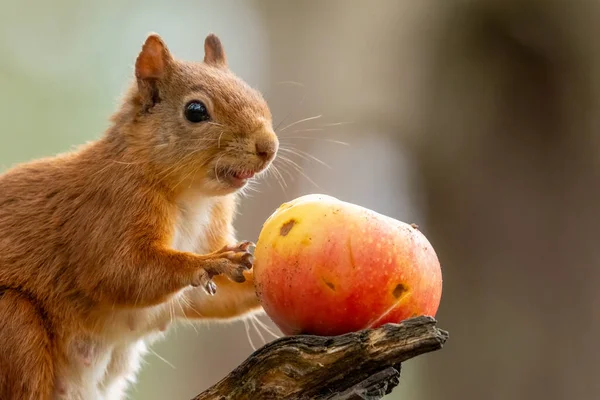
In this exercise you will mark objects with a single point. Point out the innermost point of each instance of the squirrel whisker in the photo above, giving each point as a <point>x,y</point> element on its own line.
<point>290,112</point>
<point>298,168</point>
<point>265,327</point>
<point>303,154</point>
<point>299,122</point>
<point>253,322</point>
<point>314,138</point>
<point>248,334</point>
<point>280,178</point>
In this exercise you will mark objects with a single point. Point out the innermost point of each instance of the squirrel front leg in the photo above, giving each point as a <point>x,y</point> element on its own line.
<point>148,275</point>
<point>232,299</point>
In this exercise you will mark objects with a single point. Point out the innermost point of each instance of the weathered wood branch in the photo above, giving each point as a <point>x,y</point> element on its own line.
<point>355,366</point>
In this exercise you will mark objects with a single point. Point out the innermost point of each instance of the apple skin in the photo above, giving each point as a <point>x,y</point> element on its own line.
<point>328,267</point>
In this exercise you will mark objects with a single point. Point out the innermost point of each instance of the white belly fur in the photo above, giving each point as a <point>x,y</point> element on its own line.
<point>102,368</point>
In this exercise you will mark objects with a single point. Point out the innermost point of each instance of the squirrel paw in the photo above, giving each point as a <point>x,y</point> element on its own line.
<point>230,261</point>
<point>234,261</point>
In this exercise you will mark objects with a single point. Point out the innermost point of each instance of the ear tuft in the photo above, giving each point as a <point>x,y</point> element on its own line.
<point>154,58</point>
<point>214,54</point>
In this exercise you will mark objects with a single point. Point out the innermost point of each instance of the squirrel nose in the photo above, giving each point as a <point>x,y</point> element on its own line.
<point>266,149</point>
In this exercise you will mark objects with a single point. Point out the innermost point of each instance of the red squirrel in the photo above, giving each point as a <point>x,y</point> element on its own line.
<point>102,248</point>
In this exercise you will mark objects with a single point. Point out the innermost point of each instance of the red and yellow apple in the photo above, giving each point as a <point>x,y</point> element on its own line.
<point>327,267</point>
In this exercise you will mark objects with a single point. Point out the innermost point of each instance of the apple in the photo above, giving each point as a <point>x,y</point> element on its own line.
<point>328,267</point>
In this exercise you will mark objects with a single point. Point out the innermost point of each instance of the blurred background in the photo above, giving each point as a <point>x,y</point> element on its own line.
<point>477,120</point>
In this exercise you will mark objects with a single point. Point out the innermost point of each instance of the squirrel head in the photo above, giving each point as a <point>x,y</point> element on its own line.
<point>197,123</point>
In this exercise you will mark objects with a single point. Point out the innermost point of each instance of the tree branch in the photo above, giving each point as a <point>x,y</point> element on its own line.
<point>363,365</point>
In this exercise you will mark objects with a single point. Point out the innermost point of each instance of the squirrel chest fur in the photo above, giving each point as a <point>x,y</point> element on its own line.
<point>101,249</point>
<point>105,364</point>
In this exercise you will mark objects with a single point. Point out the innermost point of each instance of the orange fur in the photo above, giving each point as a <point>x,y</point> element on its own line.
<point>100,248</point>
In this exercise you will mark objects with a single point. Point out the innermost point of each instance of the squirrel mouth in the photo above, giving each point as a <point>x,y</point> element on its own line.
<point>235,178</point>
<point>244,175</point>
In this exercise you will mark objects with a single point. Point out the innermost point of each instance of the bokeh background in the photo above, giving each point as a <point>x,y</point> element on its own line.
<point>478,120</point>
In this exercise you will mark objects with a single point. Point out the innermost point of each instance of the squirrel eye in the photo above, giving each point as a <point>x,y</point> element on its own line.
<point>195,111</point>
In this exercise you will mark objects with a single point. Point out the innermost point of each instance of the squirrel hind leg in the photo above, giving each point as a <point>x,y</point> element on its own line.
<point>26,365</point>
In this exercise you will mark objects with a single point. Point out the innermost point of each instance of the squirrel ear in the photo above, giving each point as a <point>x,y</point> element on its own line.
<point>214,54</point>
<point>151,65</point>
<point>153,60</point>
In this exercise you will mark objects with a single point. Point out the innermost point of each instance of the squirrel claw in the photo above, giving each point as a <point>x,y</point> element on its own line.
<point>240,247</point>
<point>244,246</point>
<point>203,278</point>
<point>210,288</point>
<point>247,261</point>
